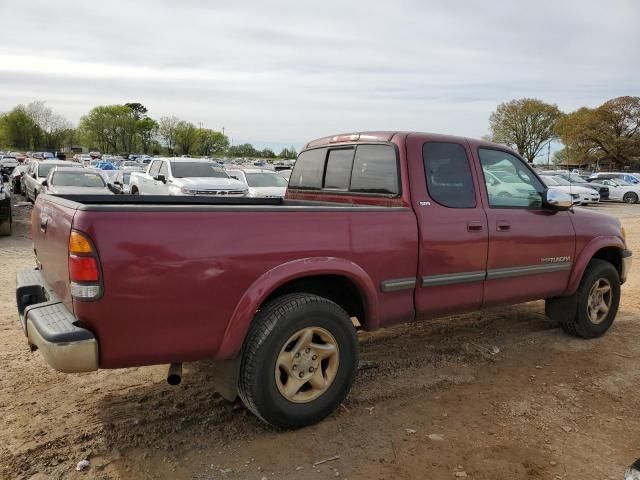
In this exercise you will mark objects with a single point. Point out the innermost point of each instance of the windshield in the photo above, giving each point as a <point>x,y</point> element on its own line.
<point>44,168</point>
<point>561,181</point>
<point>76,179</point>
<point>197,169</point>
<point>265,180</point>
<point>548,181</point>
<point>577,178</point>
<point>507,177</point>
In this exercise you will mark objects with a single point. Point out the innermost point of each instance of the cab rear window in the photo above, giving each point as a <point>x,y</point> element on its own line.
<point>364,169</point>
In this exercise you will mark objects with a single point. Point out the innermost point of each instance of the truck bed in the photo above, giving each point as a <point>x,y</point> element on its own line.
<point>177,271</point>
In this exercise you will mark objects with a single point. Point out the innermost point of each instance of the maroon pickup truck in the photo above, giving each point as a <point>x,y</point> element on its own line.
<point>376,228</point>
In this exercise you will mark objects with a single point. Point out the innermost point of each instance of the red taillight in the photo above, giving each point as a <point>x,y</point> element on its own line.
<point>83,269</point>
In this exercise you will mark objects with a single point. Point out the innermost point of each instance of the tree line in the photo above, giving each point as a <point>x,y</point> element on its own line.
<point>606,134</point>
<point>120,129</point>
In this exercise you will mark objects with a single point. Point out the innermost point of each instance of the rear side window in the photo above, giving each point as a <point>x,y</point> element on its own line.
<point>338,171</point>
<point>308,170</point>
<point>449,179</point>
<point>375,170</point>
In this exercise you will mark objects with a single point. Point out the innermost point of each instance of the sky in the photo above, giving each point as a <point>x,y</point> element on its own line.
<point>279,73</point>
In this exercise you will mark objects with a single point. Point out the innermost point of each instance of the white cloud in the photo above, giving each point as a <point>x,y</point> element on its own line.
<point>279,72</point>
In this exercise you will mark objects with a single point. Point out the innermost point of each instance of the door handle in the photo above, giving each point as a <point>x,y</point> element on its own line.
<point>503,226</point>
<point>43,224</point>
<point>474,226</point>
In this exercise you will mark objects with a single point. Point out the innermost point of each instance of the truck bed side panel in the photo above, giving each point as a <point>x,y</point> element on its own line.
<point>173,279</point>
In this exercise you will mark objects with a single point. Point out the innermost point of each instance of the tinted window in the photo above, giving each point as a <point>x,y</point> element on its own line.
<point>375,170</point>
<point>509,182</point>
<point>197,169</point>
<point>308,170</point>
<point>449,179</point>
<point>338,171</point>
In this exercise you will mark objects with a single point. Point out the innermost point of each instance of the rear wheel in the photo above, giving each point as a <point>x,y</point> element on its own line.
<point>630,197</point>
<point>592,309</point>
<point>134,191</point>
<point>299,360</point>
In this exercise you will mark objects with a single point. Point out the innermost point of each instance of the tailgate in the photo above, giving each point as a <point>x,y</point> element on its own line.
<point>50,229</point>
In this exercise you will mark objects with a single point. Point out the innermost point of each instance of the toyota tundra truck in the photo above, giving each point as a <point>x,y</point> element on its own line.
<point>376,228</point>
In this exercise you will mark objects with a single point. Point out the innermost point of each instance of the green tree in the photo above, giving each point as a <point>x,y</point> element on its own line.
<point>18,128</point>
<point>608,132</point>
<point>243,150</point>
<point>288,153</point>
<point>139,110</point>
<point>110,128</point>
<point>186,135</point>
<point>167,131</point>
<point>267,153</point>
<point>526,124</point>
<point>210,142</point>
<point>146,129</point>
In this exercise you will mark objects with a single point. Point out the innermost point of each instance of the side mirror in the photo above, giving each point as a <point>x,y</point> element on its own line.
<point>44,183</point>
<point>557,199</point>
<point>33,175</point>
<point>160,178</point>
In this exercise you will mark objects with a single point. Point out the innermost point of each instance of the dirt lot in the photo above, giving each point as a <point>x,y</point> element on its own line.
<point>430,402</point>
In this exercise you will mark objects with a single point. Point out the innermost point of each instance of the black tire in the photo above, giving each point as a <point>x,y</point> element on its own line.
<point>571,312</point>
<point>16,189</point>
<point>274,324</point>
<point>630,197</point>
<point>134,191</point>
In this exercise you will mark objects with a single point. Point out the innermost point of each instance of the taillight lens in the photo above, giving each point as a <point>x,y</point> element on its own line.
<point>84,272</point>
<point>83,269</point>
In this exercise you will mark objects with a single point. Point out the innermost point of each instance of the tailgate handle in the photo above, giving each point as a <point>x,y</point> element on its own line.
<point>43,224</point>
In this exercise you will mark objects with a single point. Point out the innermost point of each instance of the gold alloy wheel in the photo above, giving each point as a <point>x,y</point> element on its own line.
<point>307,364</point>
<point>599,302</point>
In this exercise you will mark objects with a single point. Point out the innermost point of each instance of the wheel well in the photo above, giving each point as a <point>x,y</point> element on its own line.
<point>611,255</point>
<point>133,187</point>
<point>336,288</point>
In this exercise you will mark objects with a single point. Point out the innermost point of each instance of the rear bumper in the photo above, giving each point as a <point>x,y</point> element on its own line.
<point>51,328</point>
<point>627,259</point>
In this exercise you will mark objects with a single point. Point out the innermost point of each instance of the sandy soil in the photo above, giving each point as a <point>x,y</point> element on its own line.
<point>430,402</point>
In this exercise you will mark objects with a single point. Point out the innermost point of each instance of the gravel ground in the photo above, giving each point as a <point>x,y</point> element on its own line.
<point>430,401</point>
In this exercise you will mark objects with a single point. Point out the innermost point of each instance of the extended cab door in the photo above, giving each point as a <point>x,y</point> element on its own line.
<point>531,248</point>
<point>452,224</point>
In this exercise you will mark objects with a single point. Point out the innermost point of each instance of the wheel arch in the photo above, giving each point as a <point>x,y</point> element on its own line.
<point>605,248</point>
<point>337,279</point>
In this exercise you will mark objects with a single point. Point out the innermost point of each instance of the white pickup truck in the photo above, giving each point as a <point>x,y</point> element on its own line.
<point>185,176</point>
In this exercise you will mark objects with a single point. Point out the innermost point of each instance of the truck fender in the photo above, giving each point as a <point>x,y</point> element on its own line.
<point>269,281</point>
<point>585,256</point>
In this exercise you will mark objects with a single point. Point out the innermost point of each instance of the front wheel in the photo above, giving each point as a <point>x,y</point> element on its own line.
<point>592,309</point>
<point>630,197</point>
<point>299,360</point>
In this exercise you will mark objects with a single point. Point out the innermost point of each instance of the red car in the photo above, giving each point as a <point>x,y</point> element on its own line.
<point>376,228</point>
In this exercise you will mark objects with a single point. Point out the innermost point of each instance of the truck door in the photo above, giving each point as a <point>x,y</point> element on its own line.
<point>452,225</point>
<point>150,187</point>
<point>162,188</point>
<point>531,248</point>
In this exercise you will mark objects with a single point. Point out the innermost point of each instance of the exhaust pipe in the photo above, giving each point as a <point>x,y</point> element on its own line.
<point>174,375</point>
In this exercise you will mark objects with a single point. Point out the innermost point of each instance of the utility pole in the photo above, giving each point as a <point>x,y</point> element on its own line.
<point>549,155</point>
<point>223,131</point>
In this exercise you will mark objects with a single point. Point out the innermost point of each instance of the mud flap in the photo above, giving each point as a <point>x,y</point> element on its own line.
<point>225,377</point>
<point>561,309</point>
